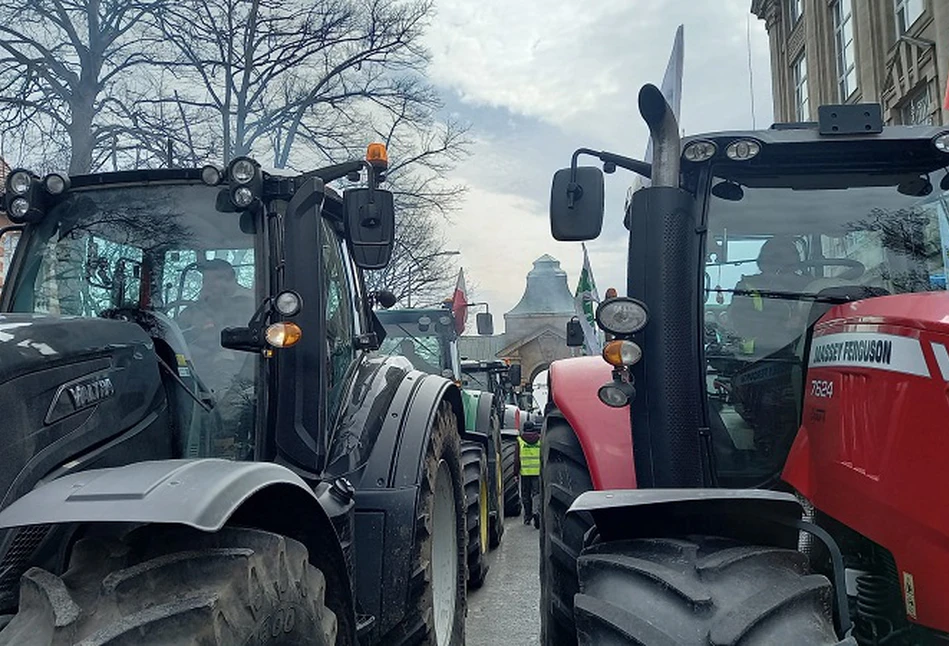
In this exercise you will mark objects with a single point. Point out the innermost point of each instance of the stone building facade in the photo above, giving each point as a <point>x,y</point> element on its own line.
<point>892,52</point>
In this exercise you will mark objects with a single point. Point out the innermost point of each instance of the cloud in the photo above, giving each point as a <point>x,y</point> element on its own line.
<point>579,65</point>
<point>539,79</point>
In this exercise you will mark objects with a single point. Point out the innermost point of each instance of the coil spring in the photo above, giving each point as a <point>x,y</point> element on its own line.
<point>876,603</point>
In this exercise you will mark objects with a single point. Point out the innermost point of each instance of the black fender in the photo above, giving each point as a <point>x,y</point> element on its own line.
<point>397,420</point>
<point>756,516</point>
<point>398,448</point>
<point>205,494</point>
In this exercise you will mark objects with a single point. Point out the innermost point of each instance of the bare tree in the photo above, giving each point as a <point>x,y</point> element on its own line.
<point>64,74</point>
<point>303,83</point>
<point>290,79</point>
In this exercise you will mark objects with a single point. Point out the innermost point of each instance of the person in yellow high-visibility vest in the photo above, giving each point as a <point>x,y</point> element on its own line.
<point>763,324</point>
<point>529,443</point>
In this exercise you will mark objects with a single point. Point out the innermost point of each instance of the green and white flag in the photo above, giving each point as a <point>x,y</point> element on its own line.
<point>586,300</point>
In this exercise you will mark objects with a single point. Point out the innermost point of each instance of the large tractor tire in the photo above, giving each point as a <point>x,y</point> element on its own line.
<point>496,478</point>
<point>474,464</point>
<point>564,475</point>
<point>701,591</point>
<point>437,608</point>
<point>512,482</point>
<point>178,586</point>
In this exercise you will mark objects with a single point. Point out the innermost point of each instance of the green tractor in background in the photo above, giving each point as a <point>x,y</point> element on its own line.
<point>500,379</point>
<point>427,337</point>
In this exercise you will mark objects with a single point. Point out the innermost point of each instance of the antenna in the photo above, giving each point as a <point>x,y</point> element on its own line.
<point>751,70</point>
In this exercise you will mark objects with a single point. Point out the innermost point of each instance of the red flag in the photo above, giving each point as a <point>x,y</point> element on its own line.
<point>459,303</point>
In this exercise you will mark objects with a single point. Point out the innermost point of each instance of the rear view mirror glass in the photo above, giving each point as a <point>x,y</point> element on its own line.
<point>576,207</point>
<point>514,374</point>
<point>574,333</point>
<point>370,226</point>
<point>485,324</point>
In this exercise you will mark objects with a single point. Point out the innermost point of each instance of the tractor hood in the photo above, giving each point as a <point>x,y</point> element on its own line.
<point>67,385</point>
<point>75,393</point>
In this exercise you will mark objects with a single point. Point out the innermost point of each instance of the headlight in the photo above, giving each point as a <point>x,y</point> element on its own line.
<point>621,315</point>
<point>20,182</point>
<point>742,149</point>
<point>243,170</point>
<point>288,303</point>
<point>19,207</point>
<point>211,175</point>
<point>622,353</point>
<point>616,394</point>
<point>942,142</point>
<point>699,151</point>
<point>242,196</point>
<point>56,184</point>
<point>283,335</point>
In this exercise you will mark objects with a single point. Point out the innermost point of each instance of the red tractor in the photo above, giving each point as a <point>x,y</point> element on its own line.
<point>756,458</point>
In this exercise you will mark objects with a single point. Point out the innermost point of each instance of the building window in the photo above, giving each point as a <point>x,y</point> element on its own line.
<point>917,109</point>
<point>795,9</point>
<point>846,52</point>
<point>801,102</point>
<point>907,12</point>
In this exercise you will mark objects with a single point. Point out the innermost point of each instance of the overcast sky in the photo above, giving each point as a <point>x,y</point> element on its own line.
<point>540,79</point>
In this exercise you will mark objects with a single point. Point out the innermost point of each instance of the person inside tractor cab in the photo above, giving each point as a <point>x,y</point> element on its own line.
<point>228,374</point>
<point>221,303</point>
<point>766,324</point>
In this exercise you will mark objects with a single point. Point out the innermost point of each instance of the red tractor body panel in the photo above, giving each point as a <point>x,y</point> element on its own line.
<point>604,432</point>
<point>874,438</point>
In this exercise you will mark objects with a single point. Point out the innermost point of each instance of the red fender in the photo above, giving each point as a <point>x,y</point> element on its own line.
<point>605,433</point>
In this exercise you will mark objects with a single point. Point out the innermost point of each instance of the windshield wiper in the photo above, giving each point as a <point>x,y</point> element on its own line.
<point>788,296</point>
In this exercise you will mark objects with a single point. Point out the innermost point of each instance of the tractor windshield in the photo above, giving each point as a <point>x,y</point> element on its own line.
<point>771,250</point>
<point>164,250</point>
<point>425,339</point>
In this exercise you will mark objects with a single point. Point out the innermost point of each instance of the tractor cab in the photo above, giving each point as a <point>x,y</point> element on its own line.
<point>771,229</point>
<point>785,243</point>
<point>426,337</point>
<point>207,262</point>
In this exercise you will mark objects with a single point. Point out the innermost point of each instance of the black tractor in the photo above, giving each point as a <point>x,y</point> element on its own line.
<point>199,445</point>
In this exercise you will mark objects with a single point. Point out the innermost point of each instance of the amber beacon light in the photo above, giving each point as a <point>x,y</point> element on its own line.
<point>377,156</point>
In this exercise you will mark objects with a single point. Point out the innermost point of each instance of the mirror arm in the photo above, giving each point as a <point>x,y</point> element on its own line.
<point>335,172</point>
<point>610,162</point>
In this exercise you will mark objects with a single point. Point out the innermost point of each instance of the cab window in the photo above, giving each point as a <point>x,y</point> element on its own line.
<point>338,315</point>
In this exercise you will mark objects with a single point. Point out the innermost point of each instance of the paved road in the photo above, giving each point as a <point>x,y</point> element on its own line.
<point>506,611</point>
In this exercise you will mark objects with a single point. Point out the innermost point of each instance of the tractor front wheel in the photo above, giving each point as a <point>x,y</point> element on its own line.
<point>699,591</point>
<point>509,472</point>
<point>496,530</point>
<point>474,464</point>
<point>564,475</point>
<point>436,610</point>
<point>178,586</point>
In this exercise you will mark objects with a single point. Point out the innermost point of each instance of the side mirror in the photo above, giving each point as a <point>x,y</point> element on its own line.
<point>514,374</point>
<point>370,226</point>
<point>574,333</point>
<point>485,324</point>
<point>576,208</point>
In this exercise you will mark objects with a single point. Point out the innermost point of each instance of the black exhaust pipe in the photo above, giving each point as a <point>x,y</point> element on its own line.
<point>663,271</point>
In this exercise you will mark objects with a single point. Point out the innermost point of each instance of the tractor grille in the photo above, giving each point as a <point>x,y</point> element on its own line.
<point>16,560</point>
